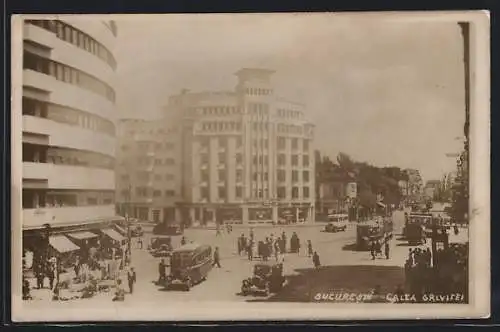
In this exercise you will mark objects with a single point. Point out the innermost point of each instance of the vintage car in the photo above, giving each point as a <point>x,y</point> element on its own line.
<point>189,265</point>
<point>377,230</point>
<point>136,231</point>
<point>167,229</point>
<point>160,246</point>
<point>267,278</point>
<point>337,223</point>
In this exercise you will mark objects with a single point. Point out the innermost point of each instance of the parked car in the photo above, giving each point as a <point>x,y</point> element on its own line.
<point>167,229</point>
<point>267,278</point>
<point>160,246</point>
<point>337,223</point>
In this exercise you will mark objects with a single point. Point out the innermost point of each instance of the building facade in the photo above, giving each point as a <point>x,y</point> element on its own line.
<point>148,173</point>
<point>246,156</point>
<point>68,124</point>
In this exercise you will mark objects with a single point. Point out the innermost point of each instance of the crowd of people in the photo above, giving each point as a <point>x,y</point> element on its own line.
<point>445,273</point>
<point>98,268</point>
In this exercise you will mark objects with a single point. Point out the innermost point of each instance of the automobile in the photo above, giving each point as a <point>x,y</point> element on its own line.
<point>136,231</point>
<point>167,229</point>
<point>159,245</point>
<point>190,264</point>
<point>337,223</point>
<point>267,278</point>
<point>163,251</point>
<point>377,230</point>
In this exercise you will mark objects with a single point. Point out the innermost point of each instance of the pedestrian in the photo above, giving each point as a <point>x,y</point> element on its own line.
<point>386,247</point>
<point>251,234</point>
<point>250,249</point>
<point>217,230</point>
<point>372,250</point>
<point>240,244</point>
<point>162,271</point>
<point>309,248</point>
<point>216,257</point>
<point>51,275</point>
<point>132,278</point>
<point>140,243</point>
<point>39,277</point>
<point>283,241</point>
<point>316,261</point>
<point>276,249</point>
<point>76,268</point>
<point>183,241</point>
<point>120,292</point>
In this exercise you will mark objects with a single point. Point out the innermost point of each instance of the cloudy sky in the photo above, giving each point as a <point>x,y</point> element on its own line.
<point>386,92</point>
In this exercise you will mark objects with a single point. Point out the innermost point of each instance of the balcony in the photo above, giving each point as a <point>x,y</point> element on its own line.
<point>70,177</point>
<point>60,216</point>
<point>39,36</point>
<point>204,166</point>
<point>203,183</point>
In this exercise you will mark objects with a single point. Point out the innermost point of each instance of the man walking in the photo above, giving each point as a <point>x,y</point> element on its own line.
<point>316,261</point>
<point>162,271</point>
<point>386,249</point>
<point>216,257</point>
<point>131,279</point>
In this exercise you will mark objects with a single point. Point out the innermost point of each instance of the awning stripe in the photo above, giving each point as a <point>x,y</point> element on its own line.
<point>113,234</point>
<point>82,235</point>
<point>62,244</point>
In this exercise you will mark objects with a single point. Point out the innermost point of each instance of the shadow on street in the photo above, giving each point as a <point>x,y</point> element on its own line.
<point>352,247</point>
<point>303,286</point>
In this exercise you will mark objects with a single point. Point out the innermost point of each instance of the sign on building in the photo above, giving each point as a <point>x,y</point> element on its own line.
<point>352,190</point>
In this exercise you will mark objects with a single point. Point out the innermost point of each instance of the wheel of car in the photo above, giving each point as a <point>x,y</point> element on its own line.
<point>189,284</point>
<point>267,289</point>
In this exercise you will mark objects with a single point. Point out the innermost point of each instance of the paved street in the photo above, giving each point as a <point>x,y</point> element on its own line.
<point>343,268</point>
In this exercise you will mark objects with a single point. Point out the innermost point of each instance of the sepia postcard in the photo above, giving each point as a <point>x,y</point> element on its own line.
<point>209,167</point>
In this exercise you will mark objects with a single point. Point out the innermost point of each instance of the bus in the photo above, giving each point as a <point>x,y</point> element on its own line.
<point>190,264</point>
<point>375,230</point>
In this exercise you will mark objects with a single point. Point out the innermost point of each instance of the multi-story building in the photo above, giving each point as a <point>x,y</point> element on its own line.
<point>246,155</point>
<point>68,125</point>
<point>149,169</point>
<point>336,195</point>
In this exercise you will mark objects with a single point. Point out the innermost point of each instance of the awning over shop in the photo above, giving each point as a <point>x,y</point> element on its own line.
<point>113,234</point>
<point>121,230</point>
<point>62,244</point>
<point>82,235</point>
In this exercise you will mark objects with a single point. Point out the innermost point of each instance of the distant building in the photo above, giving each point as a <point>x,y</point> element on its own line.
<point>335,195</point>
<point>243,156</point>
<point>431,188</point>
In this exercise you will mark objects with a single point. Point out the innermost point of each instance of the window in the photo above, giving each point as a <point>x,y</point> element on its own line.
<point>125,177</point>
<point>222,158</point>
<point>239,192</point>
<point>222,142</point>
<point>157,146</point>
<point>239,142</point>
<point>239,158</point>
<point>204,158</point>
<point>169,146</point>
<point>169,161</point>
<point>169,193</point>
<point>124,193</point>
<point>295,143</point>
<point>281,175</point>
<point>255,176</point>
<point>305,176</point>
<point>281,159</point>
<point>222,175</point>
<point>305,145</point>
<point>266,160</point>
<point>157,161</point>
<point>295,192</point>
<point>266,176</point>
<point>305,192</point>
<point>91,201</point>
<point>204,193</point>
<point>222,192</point>
<point>169,177</point>
<point>204,175</point>
<point>239,175</point>
<point>157,177</point>
<point>281,192</point>
<point>255,160</point>
<point>305,160</point>
<point>295,160</point>
<point>157,193</point>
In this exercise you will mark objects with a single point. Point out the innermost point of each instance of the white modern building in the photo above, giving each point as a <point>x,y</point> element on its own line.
<point>243,155</point>
<point>68,124</point>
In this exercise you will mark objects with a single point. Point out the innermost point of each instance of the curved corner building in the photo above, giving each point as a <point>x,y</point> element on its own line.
<point>68,112</point>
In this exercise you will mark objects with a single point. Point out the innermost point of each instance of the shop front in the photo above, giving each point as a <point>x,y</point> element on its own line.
<point>229,215</point>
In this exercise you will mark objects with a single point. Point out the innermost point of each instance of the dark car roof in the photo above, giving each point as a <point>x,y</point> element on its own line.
<point>192,247</point>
